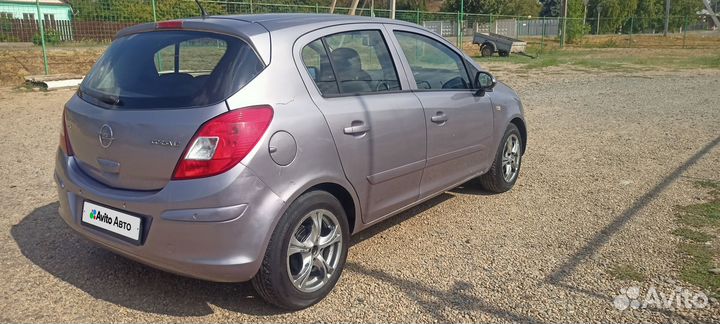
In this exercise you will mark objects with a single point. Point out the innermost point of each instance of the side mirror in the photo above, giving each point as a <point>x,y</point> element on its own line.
<point>484,82</point>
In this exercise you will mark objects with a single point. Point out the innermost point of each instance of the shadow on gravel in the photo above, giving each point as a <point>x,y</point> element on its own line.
<point>435,301</point>
<point>604,235</point>
<point>468,188</point>
<point>399,218</point>
<point>471,188</point>
<point>47,241</point>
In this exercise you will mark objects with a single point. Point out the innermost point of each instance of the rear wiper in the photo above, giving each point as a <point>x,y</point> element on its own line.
<point>108,99</point>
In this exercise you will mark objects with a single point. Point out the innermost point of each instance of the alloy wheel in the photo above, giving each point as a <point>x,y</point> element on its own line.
<point>314,250</point>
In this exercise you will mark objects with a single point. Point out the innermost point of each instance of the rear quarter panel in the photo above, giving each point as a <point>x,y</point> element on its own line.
<point>281,86</point>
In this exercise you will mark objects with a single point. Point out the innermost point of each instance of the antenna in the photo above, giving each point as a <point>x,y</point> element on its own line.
<point>203,13</point>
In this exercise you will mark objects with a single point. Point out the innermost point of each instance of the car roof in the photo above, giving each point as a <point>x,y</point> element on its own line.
<point>286,27</point>
<point>302,22</point>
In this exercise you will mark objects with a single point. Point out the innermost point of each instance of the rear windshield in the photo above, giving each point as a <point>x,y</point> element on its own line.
<point>170,69</point>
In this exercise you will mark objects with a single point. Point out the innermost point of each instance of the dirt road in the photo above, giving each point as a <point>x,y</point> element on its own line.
<point>609,156</point>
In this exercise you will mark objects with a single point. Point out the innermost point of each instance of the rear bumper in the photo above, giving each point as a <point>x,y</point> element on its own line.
<point>230,250</point>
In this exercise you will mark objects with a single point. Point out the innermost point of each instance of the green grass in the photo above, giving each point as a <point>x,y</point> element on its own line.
<point>696,267</point>
<point>626,272</point>
<point>698,257</point>
<point>695,220</point>
<point>704,214</point>
<point>710,210</point>
<point>714,187</point>
<point>599,59</point>
<point>693,235</point>
<point>708,184</point>
<point>700,215</point>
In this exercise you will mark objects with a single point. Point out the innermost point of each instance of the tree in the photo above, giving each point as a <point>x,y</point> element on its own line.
<point>648,16</point>
<point>576,28</point>
<point>614,13</point>
<point>496,7</point>
<point>523,7</point>
<point>410,5</point>
<point>472,6</point>
<point>680,10</point>
<point>551,8</point>
<point>140,11</point>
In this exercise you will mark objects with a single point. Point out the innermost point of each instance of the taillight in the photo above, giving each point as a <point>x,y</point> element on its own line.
<point>64,139</point>
<point>222,142</point>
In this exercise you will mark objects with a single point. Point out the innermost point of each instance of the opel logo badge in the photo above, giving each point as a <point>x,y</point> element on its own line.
<point>106,136</point>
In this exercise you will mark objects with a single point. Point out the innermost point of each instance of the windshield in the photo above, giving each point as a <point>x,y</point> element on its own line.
<point>170,69</point>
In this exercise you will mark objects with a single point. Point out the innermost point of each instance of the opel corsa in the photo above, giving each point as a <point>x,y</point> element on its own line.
<point>236,148</point>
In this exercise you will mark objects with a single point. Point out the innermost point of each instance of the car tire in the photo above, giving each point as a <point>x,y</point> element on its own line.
<point>505,168</point>
<point>275,280</point>
<point>504,53</point>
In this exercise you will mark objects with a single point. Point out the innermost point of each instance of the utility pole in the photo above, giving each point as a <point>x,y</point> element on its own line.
<point>564,28</point>
<point>41,22</point>
<point>461,23</point>
<point>392,9</point>
<point>667,17</point>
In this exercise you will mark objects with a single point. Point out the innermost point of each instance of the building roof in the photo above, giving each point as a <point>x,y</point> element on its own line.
<point>43,2</point>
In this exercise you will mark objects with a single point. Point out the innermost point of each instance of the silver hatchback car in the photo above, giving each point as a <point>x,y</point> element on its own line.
<point>236,148</point>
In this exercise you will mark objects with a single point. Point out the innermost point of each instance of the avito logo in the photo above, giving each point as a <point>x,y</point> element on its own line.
<point>102,217</point>
<point>105,218</point>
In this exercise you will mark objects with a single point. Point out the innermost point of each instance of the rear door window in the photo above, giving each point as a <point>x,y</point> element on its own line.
<point>170,69</point>
<point>357,62</point>
<point>318,65</point>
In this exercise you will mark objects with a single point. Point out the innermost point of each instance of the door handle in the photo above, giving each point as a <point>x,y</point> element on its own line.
<point>356,127</point>
<point>439,118</point>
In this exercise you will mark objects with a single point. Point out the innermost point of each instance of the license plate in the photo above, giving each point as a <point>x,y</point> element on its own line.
<point>117,222</point>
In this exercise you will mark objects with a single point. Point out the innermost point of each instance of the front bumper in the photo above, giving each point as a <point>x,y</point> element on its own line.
<point>176,237</point>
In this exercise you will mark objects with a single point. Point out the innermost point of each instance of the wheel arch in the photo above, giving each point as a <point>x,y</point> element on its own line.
<point>520,124</point>
<point>343,195</point>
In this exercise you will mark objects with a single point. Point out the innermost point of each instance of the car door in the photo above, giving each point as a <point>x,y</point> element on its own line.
<point>377,124</point>
<point>459,123</point>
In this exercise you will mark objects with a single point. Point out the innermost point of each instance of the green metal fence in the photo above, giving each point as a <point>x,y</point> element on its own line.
<point>97,21</point>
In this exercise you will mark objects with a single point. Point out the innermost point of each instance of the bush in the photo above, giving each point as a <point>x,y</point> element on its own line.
<point>51,37</point>
<point>576,29</point>
<point>8,38</point>
<point>5,25</point>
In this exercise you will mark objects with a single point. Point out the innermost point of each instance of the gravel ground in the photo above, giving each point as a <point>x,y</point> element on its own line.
<point>609,156</point>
